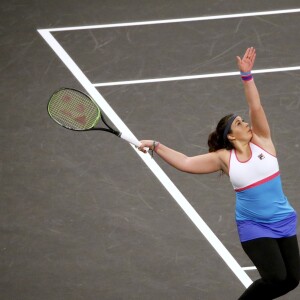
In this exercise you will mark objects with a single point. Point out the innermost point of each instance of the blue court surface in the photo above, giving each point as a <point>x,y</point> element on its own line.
<point>87,216</point>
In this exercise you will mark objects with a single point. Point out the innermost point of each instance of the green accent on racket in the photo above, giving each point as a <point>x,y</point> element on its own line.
<point>75,110</point>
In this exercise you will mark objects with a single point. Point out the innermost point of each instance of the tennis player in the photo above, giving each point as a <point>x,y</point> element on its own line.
<point>265,219</point>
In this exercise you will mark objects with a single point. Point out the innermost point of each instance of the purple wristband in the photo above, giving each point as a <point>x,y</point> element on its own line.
<point>247,78</point>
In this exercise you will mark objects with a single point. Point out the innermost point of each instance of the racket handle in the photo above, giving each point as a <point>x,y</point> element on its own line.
<point>130,140</point>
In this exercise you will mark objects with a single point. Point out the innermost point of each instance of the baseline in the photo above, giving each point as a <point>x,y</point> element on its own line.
<point>180,20</point>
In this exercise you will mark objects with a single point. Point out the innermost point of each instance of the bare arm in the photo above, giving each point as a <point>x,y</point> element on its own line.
<point>200,164</point>
<point>260,126</point>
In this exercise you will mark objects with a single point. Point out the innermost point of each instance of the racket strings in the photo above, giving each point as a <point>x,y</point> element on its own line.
<point>73,110</point>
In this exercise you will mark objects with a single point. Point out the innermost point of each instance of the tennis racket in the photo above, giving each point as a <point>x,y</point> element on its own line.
<point>77,111</point>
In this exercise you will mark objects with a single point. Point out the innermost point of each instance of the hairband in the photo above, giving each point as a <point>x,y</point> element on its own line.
<point>228,126</point>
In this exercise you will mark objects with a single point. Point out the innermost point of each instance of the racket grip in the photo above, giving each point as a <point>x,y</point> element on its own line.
<point>130,140</point>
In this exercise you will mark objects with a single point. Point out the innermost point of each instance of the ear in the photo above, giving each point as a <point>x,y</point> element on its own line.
<point>230,137</point>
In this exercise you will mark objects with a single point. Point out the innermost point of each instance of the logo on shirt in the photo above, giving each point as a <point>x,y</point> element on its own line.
<point>261,156</point>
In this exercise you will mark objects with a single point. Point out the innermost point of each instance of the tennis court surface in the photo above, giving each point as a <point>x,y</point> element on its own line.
<point>85,215</point>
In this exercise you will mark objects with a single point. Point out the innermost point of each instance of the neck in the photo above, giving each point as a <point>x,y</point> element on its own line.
<point>242,147</point>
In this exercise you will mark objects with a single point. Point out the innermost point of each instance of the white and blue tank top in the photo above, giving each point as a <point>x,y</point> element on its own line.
<point>262,208</point>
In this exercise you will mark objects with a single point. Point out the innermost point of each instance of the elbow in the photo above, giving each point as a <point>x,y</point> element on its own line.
<point>183,164</point>
<point>188,166</point>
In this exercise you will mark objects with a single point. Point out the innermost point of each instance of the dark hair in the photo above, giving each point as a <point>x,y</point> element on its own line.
<point>215,139</point>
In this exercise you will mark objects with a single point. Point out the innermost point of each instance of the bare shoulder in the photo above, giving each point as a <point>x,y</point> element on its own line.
<point>264,143</point>
<point>224,157</point>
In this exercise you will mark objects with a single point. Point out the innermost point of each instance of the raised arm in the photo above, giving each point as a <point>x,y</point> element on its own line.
<point>259,122</point>
<point>200,164</point>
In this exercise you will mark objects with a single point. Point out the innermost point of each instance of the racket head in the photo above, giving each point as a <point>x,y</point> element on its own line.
<point>73,109</point>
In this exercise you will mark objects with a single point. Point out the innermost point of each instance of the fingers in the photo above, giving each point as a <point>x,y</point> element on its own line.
<point>246,54</point>
<point>251,57</point>
<point>246,64</point>
<point>142,147</point>
<point>250,53</point>
<point>145,145</point>
<point>238,60</point>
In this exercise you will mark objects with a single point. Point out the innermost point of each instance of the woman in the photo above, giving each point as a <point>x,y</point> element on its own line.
<point>266,221</point>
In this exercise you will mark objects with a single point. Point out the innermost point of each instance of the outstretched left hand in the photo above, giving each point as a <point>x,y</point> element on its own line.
<point>246,64</point>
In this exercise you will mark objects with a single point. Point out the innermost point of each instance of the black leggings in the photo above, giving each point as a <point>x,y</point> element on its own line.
<point>278,263</point>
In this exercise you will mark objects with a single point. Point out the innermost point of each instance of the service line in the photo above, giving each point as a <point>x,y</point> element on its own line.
<point>193,77</point>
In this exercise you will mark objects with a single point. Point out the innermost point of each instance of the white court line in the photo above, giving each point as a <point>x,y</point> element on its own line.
<point>249,268</point>
<point>182,20</point>
<point>153,166</point>
<point>193,77</point>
